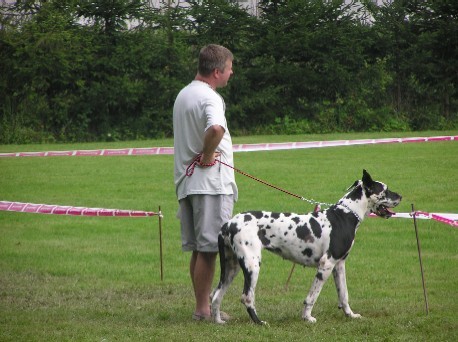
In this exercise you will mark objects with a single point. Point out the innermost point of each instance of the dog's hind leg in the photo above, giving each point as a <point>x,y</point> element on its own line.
<point>341,287</point>
<point>250,267</point>
<point>249,258</point>
<point>324,271</point>
<point>229,269</point>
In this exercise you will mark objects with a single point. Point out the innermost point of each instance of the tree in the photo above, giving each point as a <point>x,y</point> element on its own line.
<point>436,25</point>
<point>79,70</point>
<point>417,40</point>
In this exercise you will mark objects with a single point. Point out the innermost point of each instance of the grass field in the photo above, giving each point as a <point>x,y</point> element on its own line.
<point>68,278</point>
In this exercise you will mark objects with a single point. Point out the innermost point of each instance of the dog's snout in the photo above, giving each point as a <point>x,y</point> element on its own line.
<point>394,196</point>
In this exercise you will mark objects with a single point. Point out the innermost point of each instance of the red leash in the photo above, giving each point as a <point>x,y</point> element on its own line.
<point>196,162</point>
<point>261,181</point>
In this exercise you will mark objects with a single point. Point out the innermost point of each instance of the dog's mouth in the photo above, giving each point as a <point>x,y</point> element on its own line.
<point>383,211</point>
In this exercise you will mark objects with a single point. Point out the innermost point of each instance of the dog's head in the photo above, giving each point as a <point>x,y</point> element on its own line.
<point>380,198</point>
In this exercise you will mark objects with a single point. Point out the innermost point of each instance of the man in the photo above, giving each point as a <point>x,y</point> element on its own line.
<point>207,194</point>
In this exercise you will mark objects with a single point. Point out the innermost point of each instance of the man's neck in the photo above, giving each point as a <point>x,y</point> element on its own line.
<point>205,80</point>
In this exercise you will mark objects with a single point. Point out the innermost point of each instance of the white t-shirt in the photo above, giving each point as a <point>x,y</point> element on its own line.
<point>198,107</point>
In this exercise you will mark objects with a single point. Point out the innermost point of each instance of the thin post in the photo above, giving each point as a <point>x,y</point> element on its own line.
<point>316,209</point>
<point>289,277</point>
<point>419,257</point>
<point>160,243</point>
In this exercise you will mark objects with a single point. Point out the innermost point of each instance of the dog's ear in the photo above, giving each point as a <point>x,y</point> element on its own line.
<point>367,179</point>
<point>354,185</point>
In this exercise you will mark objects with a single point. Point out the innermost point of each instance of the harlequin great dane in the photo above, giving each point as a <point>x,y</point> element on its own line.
<point>320,239</point>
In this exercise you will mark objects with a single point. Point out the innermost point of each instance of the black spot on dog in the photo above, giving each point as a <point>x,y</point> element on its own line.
<point>304,233</point>
<point>315,214</point>
<point>275,216</point>
<point>287,214</point>
<point>248,274</point>
<point>225,229</point>
<point>356,194</point>
<point>262,236</point>
<point>247,218</point>
<point>290,227</point>
<point>376,188</point>
<point>308,252</point>
<point>319,276</point>
<point>342,238</point>
<point>296,219</point>
<point>286,233</point>
<point>257,214</point>
<point>230,230</point>
<point>316,228</point>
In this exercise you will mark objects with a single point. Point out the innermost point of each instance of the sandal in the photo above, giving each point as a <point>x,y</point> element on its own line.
<point>197,317</point>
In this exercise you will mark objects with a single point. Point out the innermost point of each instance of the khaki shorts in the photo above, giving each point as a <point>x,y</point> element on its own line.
<point>202,217</point>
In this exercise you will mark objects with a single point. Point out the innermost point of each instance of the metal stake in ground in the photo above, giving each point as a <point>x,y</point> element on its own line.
<point>160,243</point>
<point>419,257</point>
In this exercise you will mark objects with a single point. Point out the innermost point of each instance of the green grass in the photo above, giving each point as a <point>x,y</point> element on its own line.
<point>97,279</point>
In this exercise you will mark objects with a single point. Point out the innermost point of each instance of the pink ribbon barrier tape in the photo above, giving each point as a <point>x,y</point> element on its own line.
<point>450,219</point>
<point>237,148</point>
<point>69,210</point>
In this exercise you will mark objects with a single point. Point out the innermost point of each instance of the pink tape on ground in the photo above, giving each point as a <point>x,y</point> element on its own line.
<point>237,148</point>
<point>69,210</point>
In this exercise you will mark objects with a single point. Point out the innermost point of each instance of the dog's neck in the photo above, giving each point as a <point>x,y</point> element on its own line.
<point>351,210</point>
<point>355,201</point>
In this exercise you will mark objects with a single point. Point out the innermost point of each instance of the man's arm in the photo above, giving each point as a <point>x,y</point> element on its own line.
<point>212,138</point>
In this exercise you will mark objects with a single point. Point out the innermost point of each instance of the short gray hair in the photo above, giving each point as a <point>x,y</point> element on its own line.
<point>213,57</point>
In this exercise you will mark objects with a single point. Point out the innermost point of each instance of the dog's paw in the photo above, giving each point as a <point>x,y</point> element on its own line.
<point>218,318</point>
<point>219,321</point>
<point>309,319</point>
<point>353,315</point>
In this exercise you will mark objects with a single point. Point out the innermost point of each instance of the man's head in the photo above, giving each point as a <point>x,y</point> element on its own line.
<point>215,61</point>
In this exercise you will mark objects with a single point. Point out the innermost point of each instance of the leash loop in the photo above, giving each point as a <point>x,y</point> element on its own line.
<point>196,162</point>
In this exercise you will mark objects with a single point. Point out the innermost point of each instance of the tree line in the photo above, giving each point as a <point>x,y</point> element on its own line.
<point>98,70</point>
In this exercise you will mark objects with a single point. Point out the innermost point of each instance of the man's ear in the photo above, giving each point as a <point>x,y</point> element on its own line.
<point>216,73</point>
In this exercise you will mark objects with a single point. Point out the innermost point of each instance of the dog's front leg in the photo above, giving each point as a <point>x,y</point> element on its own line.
<point>323,273</point>
<point>342,291</point>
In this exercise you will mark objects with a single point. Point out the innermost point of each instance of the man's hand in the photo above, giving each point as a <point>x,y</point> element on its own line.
<point>202,163</point>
